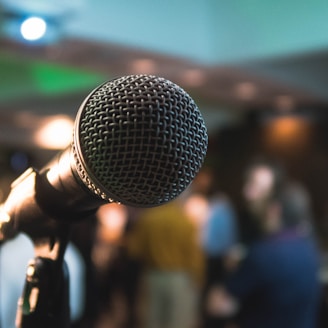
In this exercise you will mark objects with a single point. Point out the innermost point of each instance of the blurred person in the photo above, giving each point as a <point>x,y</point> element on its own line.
<point>116,275</point>
<point>196,206</point>
<point>166,241</point>
<point>14,257</point>
<point>106,251</point>
<point>219,235</point>
<point>276,284</point>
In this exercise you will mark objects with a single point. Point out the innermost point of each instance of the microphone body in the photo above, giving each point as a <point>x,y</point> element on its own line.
<point>138,140</point>
<point>41,202</point>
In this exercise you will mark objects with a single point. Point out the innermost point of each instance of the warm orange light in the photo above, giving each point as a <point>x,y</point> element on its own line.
<point>143,66</point>
<point>287,133</point>
<point>196,207</point>
<point>112,218</point>
<point>55,133</point>
<point>193,78</point>
<point>246,90</point>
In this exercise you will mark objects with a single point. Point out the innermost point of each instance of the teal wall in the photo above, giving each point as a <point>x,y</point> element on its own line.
<point>208,31</point>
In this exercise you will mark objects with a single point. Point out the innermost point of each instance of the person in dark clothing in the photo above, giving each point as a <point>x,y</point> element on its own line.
<point>276,284</point>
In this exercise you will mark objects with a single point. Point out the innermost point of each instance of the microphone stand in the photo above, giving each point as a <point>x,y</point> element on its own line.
<point>45,298</point>
<point>42,211</point>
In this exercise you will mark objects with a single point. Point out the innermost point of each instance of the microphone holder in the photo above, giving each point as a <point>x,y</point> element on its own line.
<point>45,298</point>
<point>34,208</point>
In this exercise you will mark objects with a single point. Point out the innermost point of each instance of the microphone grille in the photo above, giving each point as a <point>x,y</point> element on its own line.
<point>139,140</point>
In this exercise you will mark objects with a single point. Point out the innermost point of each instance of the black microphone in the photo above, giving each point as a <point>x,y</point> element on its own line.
<point>138,140</point>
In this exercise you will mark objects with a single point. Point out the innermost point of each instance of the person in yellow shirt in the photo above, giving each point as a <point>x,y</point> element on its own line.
<point>166,242</point>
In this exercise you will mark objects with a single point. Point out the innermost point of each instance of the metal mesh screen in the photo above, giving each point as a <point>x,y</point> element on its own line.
<point>139,140</point>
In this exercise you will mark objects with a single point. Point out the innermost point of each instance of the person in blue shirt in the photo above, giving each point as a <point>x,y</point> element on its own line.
<point>277,284</point>
<point>219,234</point>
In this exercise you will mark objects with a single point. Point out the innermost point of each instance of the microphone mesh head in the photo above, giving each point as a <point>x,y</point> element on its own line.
<point>139,140</point>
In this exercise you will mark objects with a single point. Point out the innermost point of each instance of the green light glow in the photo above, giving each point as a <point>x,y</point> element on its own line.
<point>22,78</point>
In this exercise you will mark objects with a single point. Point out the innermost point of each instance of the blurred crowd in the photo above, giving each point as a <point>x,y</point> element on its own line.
<point>200,261</point>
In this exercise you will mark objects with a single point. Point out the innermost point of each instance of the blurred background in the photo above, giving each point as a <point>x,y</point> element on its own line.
<point>258,71</point>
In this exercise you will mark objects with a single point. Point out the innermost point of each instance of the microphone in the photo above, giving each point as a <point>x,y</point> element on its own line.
<point>138,140</point>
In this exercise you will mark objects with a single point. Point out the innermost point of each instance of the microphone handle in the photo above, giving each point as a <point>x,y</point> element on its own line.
<point>40,202</point>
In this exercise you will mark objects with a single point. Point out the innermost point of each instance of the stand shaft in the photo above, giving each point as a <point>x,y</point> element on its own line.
<point>45,299</point>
